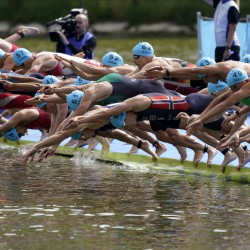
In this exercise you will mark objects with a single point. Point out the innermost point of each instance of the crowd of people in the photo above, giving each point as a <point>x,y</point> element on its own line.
<point>71,95</point>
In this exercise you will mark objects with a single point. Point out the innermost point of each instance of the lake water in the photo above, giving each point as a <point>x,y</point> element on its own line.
<point>79,203</point>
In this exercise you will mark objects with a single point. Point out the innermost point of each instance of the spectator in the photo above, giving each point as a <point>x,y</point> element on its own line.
<point>226,18</point>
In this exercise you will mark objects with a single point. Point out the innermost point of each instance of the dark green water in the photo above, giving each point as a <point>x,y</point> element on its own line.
<point>83,204</point>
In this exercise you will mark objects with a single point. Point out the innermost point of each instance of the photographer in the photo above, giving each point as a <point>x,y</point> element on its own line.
<point>80,41</point>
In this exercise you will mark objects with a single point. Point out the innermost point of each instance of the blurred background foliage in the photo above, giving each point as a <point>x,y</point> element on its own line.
<point>185,48</point>
<point>133,11</point>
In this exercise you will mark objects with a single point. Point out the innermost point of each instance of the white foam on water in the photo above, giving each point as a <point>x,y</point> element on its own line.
<point>24,149</point>
<point>81,159</point>
<point>5,146</point>
<point>203,213</point>
<point>106,214</point>
<point>37,214</point>
<point>136,215</point>
<point>9,234</point>
<point>104,226</point>
<point>36,226</point>
<point>172,216</point>
<point>220,230</point>
<point>131,167</point>
<point>118,227</point>
<point>89,215</point>
<point>241,209</point>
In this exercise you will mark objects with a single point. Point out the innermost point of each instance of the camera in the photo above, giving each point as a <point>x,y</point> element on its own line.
<point>64,24</point>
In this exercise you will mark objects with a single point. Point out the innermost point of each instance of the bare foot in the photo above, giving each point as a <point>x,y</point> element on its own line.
<point>146,147</point>
<point>44,135</point>
<point>71,142</point>
<point>105,148</point>
<point>28,31</point>
<point>160,149</point>
<point>245,161</point>
<point>247,157</point>
<point>229,157</point>
<point>81,143</point>
<point>183,153</point>
<point>92,144</point>
<point>241,156</point>
<point>198,154</point>
<point>211,152</point>
<point>133,150</point>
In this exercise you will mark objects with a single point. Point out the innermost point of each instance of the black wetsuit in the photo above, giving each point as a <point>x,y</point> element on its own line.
<point>30,93</point>
<point>106,127</point>
<point>125,87</point>
<point>164,109</point>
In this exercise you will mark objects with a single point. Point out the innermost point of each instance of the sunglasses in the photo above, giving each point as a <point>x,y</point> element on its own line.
<point>23,65</point>
<point>234,87</point>
<point>136,56</point>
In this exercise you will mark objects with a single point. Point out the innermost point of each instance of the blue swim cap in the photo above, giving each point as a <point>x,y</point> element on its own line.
<point>235,76</point>
<point>112,59</point>
<point>204,61</point>
<point>2,53</point>
<point>77,136</point>
<point>41,105</point>
<point>74,99</point>
<point>50,79</point>
<point>143,49</point>
<point>11,135</point>
<point>81,81</point>
<point>245,58</point>
<point>118,120</point>
<point>21,55</point>
<point>214,88</point>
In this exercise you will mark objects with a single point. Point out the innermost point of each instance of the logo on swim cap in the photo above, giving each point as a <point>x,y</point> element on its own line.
<point>50,79</point>
<point>11,135</point>
<point>118,120</point>
<point>41,105</point>
<point>245,58</point>
<point>112,59</point>
<point>21,55</point>
<point>204,61</point>
<point>235,76</point>
<point>214,88</point>
<point>81,81</point>
<point>74,99</point>
<point>143,49</point>
<point>77,136</point>
<point>2,53</point>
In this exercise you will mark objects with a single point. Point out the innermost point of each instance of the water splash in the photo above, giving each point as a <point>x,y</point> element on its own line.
<point>83,159</point>
<point>5,146</point>
<point>24,149</point>
<point>130,167</point>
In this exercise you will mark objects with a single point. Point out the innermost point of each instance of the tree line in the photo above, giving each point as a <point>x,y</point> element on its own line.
<point>134,12</point>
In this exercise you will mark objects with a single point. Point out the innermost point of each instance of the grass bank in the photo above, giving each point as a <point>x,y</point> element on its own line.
<point>179,47</point>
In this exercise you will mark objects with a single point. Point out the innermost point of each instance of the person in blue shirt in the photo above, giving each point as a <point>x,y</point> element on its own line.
<point>81,41</point>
